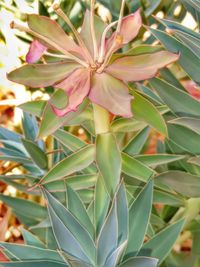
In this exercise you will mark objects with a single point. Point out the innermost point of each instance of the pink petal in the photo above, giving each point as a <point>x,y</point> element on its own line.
<point>141,67</point>
<point>35,52</point>
<point>77,87</point>
<point>111,94</point>
<point>129,30</point>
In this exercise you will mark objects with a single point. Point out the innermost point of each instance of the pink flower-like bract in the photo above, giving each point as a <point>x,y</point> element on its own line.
<point>87,68</point>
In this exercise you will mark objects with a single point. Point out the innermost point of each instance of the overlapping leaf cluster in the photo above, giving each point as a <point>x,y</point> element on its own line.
<point>92,219</point>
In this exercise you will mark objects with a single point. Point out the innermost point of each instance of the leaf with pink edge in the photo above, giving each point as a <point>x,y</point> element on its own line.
<point>76,86</point>
<point>42,75</point>
<point>53,32</point>
<point>141,67</point>
<point>129,30</point>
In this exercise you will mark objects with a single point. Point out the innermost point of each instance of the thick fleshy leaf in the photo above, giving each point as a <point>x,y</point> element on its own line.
<point>25,252</point>
<point>28,209</point>
<point>188,60</point>
<point>129,29</point>
<point>122,214</point>
<point>139,215</point>
<point>136,144</point>
<point>77,208</point>
<point>35,52</point>
<point>59,99</point>
<point>158,159</point>
<point>69,140</point>
<point>181,182</point>
<point>53,32</point>
<point>35,108</point>
<point>85,33</point>
<point>51,122</point>
<point>42,75</point>
<point>166,239</point>
<point>31,240</point>
<point>36,153</point>
<point>142,67</point>
<point>123,125</point>
<point>171,95</point>
<point>191,123</point>
<point>77,182</point>
<point>136,169</point>
<point>108,237</point>
<point>73,163</point>
<point>101,203</point>
<point>151,115</point>
<point>77,87</point>
<point>111,94</point>
<point>41,263</point>
<point>140,262</point>
<point>71,236</point>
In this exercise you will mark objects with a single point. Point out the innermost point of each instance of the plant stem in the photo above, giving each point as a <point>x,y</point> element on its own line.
<point>101,119</point>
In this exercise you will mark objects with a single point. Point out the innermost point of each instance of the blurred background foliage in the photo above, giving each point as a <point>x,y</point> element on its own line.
<point>185,75</point>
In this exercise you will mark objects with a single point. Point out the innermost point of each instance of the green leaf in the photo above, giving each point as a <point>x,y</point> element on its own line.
<point>136,169</point>
<point>136,144</point>
<point>59,99</point>
<point>30,209</point>
<point>30,128</point>
<point>69,140</point>
<point>72,143</point>
<point>182,182</point>
<point>167,198</point>
<point>106,149</point>
<point>151,115</point>
<point>25,252</point>
<point>73,163</point>
<point>122,214</point>
<point>166,239</point>
<point>71,236</point>
<point>101,203</point>
<point>41,263</point>
<point>36,154</point>
<point>179,134</point>
<point>169,77</point>
<point>190,38</point>
<point>77,182</point>
<point>34,107</point>
<point>77,208</point>
<point>158,159</point>
<point>31,239</point>
<point>188,60</point>
<point>50,122</point>
<point>115,256</point>
<point>139,215</point>
<point>140,262</point>
<point>9,135</point>
<point>188,106</point>
<point>108,237</point>
<point>190,123</point>
<point>124,125</point>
